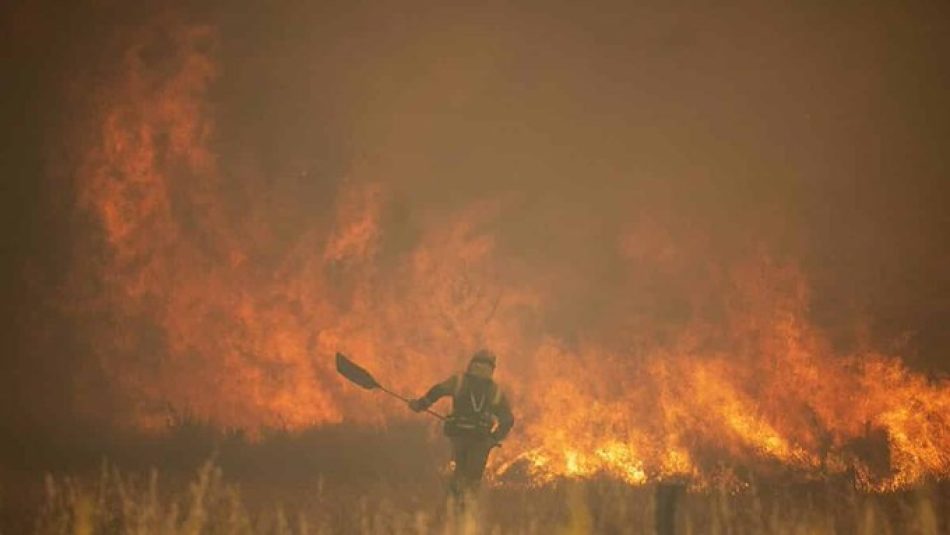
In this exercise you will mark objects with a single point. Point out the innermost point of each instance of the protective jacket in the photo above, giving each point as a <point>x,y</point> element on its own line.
<point>479,406</point>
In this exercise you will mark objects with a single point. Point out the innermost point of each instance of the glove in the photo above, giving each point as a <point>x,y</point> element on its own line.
<point>417,405</point>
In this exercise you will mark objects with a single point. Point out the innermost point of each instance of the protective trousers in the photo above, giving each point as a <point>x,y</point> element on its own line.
<point>470,455</point>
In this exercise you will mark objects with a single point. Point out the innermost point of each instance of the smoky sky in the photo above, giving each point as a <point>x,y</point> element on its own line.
<point>819,128</point>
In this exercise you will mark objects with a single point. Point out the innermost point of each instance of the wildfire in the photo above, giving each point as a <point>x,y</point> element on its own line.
<point>205,301</point>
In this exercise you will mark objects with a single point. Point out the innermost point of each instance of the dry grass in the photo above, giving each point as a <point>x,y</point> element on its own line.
<point>118,503</point>
<point>351,480</point>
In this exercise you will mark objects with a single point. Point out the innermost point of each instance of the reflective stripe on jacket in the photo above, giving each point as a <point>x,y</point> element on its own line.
<point>475,397</point>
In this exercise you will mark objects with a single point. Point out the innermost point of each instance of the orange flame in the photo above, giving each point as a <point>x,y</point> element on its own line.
<point>206,301</point>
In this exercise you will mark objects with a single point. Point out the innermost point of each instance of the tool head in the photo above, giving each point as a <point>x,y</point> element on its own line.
<point>354,372</point>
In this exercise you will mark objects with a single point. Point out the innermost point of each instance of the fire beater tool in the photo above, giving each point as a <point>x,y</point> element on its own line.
<point>363,378</point>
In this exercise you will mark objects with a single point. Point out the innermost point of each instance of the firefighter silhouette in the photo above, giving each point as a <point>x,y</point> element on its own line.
<point>480,419</point>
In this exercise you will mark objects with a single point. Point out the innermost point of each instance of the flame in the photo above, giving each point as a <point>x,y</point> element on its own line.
<point>211,295</point>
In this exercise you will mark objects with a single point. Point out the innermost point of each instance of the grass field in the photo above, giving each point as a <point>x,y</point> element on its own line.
<point>360,481</point>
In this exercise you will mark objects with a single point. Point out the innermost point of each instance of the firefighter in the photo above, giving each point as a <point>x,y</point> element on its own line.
<point>481,418</point>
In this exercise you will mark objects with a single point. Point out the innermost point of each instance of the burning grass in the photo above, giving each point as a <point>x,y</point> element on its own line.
<point>347,480</point>
<point>642,339</point>
<point>209,503</point>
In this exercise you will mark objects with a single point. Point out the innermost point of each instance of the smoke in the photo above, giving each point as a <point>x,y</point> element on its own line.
<point>635,207</point>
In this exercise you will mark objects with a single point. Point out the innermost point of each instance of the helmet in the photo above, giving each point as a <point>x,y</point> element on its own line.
<point>482,364</point>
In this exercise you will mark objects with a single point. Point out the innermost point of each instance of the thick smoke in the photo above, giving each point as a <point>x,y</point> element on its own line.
<point>646,212</point>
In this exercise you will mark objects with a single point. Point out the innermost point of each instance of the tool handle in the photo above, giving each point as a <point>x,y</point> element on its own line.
<point>395,395</point>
